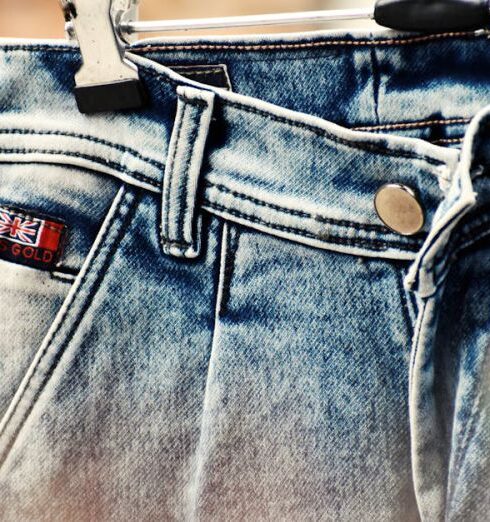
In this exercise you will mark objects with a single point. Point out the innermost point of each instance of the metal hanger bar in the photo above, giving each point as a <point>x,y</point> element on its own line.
<point>160,26</point>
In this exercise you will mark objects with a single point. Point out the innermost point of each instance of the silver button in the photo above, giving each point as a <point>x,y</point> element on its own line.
<point>399,209</point>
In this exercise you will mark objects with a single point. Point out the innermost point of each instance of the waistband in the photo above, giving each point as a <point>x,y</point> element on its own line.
<point>267,166</point>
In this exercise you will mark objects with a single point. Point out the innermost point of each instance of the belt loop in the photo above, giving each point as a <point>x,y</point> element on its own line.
<point>180,220</point>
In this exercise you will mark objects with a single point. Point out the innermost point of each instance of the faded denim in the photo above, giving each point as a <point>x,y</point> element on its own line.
<point>232,334</point>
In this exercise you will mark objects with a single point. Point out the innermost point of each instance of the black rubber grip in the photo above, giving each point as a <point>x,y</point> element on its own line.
<point>117,96</point>
<point>433,15</point>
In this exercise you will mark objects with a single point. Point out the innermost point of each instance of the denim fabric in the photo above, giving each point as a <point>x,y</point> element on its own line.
<point>232,333</point>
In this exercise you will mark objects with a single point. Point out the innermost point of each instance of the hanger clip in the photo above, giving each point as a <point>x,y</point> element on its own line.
<point>433,15</point>
<point>107,81</point>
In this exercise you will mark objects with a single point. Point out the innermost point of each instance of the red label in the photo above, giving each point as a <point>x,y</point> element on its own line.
<point>30,239</point>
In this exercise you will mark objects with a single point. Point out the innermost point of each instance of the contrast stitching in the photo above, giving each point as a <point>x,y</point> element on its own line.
<point>360,242</point>
<point>230,239</point>
<point>168,180</point>
<point>194,121</point>
<point>448,141</point>
<point>192,101</point>
<point>315,130</point>
<point>176,243</point>
<point>196,73</point>
<point>416,345</point>
<point>412,124</point>
<point>405,304</point>
<point>60,276</point>
<point>335,139</point>
<point>95,159</point>
<point>264,47</point>
<point>86,137</point>
<point>299,213</point>
<point>307,45</point>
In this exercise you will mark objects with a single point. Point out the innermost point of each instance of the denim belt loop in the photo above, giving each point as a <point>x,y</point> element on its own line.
<point>181,222</point>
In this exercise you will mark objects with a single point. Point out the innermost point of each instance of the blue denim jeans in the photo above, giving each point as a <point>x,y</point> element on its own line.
<point>229,332</point>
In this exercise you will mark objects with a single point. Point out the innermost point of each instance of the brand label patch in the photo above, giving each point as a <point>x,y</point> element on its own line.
<point>214,75</point>
<point>31,240</point>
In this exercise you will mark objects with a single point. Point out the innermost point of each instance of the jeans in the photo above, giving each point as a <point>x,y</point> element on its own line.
<point>225,329</point>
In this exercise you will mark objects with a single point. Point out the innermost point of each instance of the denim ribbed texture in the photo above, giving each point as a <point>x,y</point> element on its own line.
<point>232,334</point>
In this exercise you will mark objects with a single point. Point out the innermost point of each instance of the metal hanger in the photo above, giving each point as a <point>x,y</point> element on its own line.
<point>107,81</point>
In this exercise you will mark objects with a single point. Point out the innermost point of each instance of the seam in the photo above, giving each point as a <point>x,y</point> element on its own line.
<point>373,244</point>
<point>184,209</point>
<point>335,139</point>
<point>259,47</point>
<point>414,450</point>
<point>168,178</point>
<point>116,216</point>
<point>223,69</point>
<point>226,72</point>
<point>309,45</point>
<point>196,462</point>
<point>405,305</point>
<point>178,244</point>
<point>376,83</point>
<point>181,70</point>
<point>85,137</point>
<point>467,432</point>
<point>418,335</point>
<point>61,276</point>
<point>412,124</point>
<point>301,213</point>
<point>192,101</point>
<point>230,246</point>
<point>356,145</point>
<point>448,141</point>
<point>95,159</point>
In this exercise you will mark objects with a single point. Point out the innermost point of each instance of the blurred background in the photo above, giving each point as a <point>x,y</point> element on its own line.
<point>42,18</point>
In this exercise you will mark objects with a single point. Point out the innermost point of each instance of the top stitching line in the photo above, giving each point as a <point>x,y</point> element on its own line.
<point>335,139</point>
<point>169,175</point>
<point>259,47</point>
<point>303,214</point>
<point>195,121</point>
<point>412,124</point>
<point>316,130</point>
<point>96,159</point>
<point>307,45</point>
<point>122,148</point>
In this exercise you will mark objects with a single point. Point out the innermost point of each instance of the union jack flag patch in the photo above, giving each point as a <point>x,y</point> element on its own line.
<point>31,240</point>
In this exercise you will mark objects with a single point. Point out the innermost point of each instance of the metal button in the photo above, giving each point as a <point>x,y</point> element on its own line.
<point>399,209</point>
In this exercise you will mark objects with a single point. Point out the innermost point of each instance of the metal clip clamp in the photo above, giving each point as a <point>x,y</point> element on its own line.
<point>107,81</point>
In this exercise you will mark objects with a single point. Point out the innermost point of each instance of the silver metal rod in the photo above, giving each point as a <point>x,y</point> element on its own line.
<point>308,17</point>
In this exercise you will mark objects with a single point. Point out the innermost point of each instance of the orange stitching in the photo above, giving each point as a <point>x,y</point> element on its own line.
<point>258,47</point>
<point>183,72</point>
<point>306,45</point>
<point>413,124</point>
<point>448,140</point>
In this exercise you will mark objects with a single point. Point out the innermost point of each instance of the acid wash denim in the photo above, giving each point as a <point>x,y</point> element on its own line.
<point>231,333</point>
